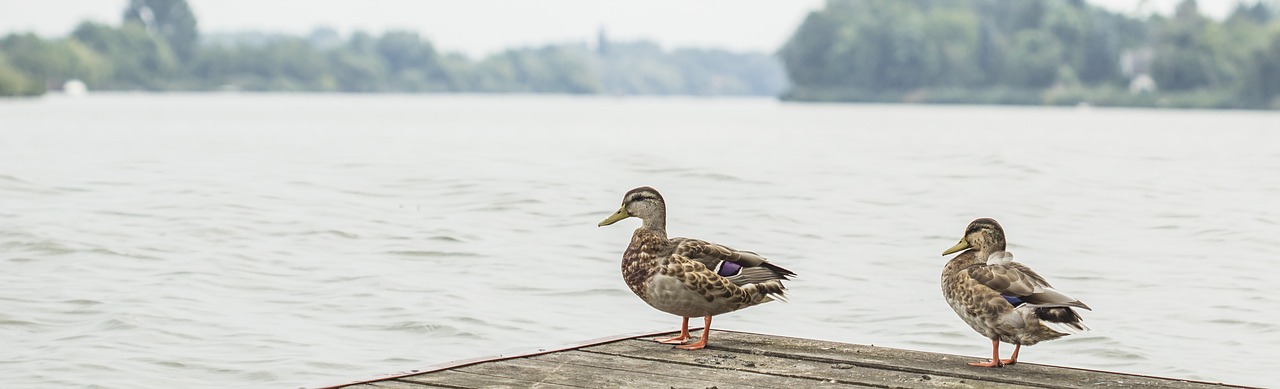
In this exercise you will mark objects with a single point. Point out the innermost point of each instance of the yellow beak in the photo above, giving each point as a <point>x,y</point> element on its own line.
<point>621,214</point>
<point>959,246</point>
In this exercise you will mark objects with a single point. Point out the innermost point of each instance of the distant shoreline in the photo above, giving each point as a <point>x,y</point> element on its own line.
<point>1095,97</point>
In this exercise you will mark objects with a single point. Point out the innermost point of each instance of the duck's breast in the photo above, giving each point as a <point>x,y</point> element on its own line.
<point>675,296</point>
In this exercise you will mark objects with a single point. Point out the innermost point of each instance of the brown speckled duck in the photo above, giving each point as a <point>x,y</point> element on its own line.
<point>1003,300</point>
<point>689,277</point>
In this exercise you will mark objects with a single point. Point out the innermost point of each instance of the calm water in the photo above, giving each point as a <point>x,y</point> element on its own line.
<point>208,241</point>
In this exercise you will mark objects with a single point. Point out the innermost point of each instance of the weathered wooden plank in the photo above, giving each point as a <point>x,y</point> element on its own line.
<point>467,379</point>
<point>738,359</point>
<point>470,361</point>
<point>395,385</point>
<point>556,372</point>
<point>934,364</point>
<point>708,375</point>
<point>787,368</point>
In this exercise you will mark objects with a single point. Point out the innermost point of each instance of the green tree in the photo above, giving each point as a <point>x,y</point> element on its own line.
<point>895,46</point>
<point>1263,73</point>
<point>638,68</point>
<point>1056,51</point>
<point>413,63</point>
<point>139,59</point>
<point>1033,60</point>
<point>719,72</point>
<point>1188,51</point>
<point>55,62</point>
<point>357,65</point>
<point>549,69</point>
<point>287,64</point>
<point>171,19</point>
<point>14,83</point>
<point>810,56</point>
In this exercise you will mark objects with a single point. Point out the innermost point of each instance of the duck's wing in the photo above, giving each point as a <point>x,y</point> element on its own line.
<point>739,266</point>
<point>1018,284</point>
<point>720,290</point>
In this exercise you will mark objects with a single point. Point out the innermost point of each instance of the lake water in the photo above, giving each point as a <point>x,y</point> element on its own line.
<point>278,241</point>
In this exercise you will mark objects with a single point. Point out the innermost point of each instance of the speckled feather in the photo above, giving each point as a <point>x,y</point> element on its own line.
<point>678,275</point>
<point>984,307</point>
<point>1005,300</point>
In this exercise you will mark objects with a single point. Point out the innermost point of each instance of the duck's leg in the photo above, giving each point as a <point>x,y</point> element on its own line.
<point>1013,359</point>
<point>702,341</point>
<point>678,339</point>
<point>995,356</point>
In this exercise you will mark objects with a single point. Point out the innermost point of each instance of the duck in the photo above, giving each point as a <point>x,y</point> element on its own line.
<point>1004,300</point>
<point>689,277</point>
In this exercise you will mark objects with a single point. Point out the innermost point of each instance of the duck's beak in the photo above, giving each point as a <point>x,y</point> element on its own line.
<point>621,214</point>
<point>959,246</point>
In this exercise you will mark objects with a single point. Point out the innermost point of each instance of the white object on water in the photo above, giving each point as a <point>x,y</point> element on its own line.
<point>74,87</point>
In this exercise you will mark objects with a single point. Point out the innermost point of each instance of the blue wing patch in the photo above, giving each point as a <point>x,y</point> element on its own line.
<point>728,269</point>
<point>1013,300</point>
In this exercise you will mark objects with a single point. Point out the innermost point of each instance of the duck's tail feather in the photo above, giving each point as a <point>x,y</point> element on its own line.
<point>779,271</point>
<point>1061,319</point>
<point>772,289</point>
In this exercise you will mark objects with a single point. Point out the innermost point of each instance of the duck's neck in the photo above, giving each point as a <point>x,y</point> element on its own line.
<point>656,224</point>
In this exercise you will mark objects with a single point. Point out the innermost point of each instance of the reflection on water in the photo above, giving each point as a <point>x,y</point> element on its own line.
<point>288,240</point>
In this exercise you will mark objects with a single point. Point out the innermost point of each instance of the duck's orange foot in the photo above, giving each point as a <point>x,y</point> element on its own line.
<point>1008,362</point>
<point>672,340</point>
<point>691,347</point>
<point>995,363</point>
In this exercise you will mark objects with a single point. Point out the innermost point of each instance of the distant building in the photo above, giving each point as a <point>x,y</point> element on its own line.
<point>75,88</point>
<point>1136,65</point>
<point>1143,83</point>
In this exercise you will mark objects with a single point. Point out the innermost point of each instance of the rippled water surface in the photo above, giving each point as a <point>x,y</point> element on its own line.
<point>209,241</point>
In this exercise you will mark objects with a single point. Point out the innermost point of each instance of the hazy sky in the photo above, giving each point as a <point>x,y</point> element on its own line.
<point>484,26</point>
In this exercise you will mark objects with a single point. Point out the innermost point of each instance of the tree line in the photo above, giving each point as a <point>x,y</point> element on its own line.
<point>1034,52</point>
<point>157,47</point>
<point>1062,52</point>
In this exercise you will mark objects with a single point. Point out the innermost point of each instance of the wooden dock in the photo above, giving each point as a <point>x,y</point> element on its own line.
<point>741,359</point>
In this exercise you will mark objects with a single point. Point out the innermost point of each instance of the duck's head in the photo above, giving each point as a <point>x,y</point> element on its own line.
<point>984,235</point>
<point>643,202</point>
